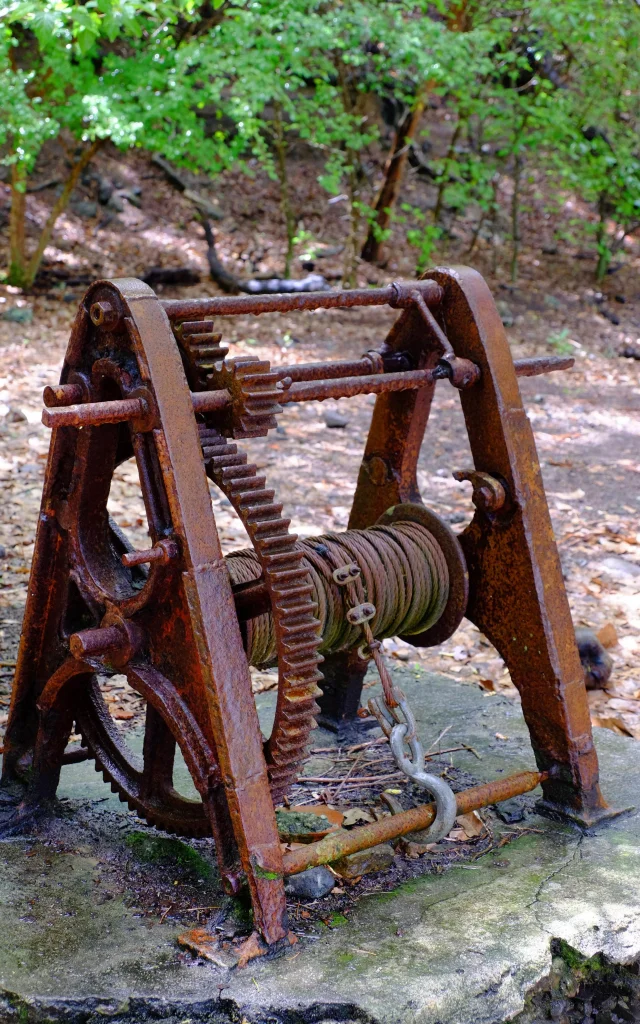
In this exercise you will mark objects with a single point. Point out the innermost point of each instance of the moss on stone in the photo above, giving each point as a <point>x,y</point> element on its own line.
<point>162,850</point>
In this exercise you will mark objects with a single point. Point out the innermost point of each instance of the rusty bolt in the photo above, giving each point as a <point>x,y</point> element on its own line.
<point>164,551</point>
<point>61,395</point>
<point>103,314</point>
<point>489,494</point>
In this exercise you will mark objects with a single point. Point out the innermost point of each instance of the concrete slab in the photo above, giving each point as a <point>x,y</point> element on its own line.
<point>466,946</point>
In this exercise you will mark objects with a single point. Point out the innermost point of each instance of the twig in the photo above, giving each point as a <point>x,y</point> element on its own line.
<point>349,773</point>
<point>370,743</point>
<point>359,779</point>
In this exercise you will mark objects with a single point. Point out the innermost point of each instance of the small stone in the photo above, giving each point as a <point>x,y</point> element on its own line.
<point>17,314</point>
<point>115,203</point>
<point>3,551</point>
<point>335,419</point>
<point>312,884</point>
<point>506,315</point>
<point>365,862</point>
<point>105,190</point>
<point>85,208</point>
<point>16,416</point>
<point>511,811</point>
<point>618,566</point>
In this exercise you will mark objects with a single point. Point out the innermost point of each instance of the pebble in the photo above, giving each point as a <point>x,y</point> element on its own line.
<point>85,208</point>
<point>312,884</point>
<point>17,314</point>
<point>511,811</point>
<point>365,862</point>
<point>335,419</point>
<point>617,565</point>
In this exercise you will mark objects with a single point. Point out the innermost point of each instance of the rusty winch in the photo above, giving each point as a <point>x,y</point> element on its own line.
<point>149,378</point>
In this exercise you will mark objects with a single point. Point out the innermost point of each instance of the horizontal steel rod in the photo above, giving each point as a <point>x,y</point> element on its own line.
<point>223,305</point>
<point>94,413</point>
<point>346,387</point>
<point>542,364</point>
<point>328,371</point>
<point>306,387</point>
<point>339,844</point>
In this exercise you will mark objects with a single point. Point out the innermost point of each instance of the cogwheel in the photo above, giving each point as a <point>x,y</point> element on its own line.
<point>201,350</point>
<point>287,580</point>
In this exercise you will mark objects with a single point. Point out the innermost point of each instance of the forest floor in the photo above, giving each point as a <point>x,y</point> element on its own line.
<point>586,421</point>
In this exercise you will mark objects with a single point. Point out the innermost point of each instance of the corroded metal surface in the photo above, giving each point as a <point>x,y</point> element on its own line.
<point>149,379</point>
<point>341,843</point>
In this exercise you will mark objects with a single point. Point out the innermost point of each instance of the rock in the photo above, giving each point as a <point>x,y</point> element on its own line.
<point>17,314</point>
<point>115,203</point>
<point>105,190</point>
<point>133,196</point>
<point>85,208</point>
<point>16,416</point>
<point>618,566</point>
<point>506,314</point>
<point>511,811</point>
<point>3,551</point>
<point>597,664</point>
<point>335,419</point>
<point>365,862</point>
<point>312,884</point>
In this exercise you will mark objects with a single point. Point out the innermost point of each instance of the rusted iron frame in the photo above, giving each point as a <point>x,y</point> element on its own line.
<point>341,843</point>
<point>517,596</point>
<point>392,295</point>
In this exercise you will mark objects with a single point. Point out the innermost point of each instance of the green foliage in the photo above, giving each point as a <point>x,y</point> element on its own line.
<point>546,91</point>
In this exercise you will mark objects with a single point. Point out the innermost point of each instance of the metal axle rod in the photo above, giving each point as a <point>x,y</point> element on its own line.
<point>339,844</point>
<point>392,295</point>
<point>346,387</point>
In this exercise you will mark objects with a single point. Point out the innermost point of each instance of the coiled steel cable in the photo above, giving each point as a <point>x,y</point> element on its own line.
<point>404,574</point>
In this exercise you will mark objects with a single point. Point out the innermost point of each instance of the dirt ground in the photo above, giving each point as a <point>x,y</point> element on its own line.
<point>586,421</point>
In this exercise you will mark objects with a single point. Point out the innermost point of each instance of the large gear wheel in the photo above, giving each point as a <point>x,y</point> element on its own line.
<point>145,781</point>
<point>289,587</point>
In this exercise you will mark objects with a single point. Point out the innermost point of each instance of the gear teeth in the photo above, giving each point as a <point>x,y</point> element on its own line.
<point>293,608</point>
<point>201,345</point>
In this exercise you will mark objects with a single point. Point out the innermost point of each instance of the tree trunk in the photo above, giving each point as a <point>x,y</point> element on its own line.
<point>444,178</point>
<point>604,252</point>
<point>17,258</point>
<point>515,215</point>
<point>393,174</point>
<point>285,197</point>
<point>23,270</point>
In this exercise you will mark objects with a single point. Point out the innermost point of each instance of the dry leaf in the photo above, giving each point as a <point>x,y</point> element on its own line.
<point>123,715</point>
<point>472,824</point>
<point>487,684</point>
<point>355,815</point>
<point>607,635</point>
<point>456,835</point>
<point>616,724</point>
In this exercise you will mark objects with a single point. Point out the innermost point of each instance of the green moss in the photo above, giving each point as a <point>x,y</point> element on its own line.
<point>336,920</point>
<point>345,958</point>
<point>161,850</point>
<point>587,966</point>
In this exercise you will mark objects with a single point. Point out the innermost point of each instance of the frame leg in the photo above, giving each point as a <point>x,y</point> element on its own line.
<point>517,594</point>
